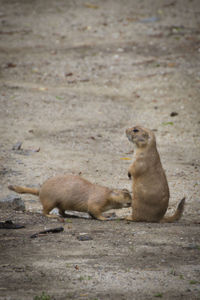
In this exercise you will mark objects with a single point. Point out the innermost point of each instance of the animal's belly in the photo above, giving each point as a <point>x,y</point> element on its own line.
<point>76,204</point>
<point>151,191</point>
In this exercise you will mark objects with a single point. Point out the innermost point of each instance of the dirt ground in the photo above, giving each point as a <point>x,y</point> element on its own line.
<point>73,76</point>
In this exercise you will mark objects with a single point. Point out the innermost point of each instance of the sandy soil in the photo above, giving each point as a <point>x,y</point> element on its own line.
<point>73,76</point>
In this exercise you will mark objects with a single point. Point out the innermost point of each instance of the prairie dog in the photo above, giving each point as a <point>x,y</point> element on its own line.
<point>150,186</point>
<point>69,192</point>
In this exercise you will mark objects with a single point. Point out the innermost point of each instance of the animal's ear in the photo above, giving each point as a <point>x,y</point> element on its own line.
<point>150,135</point>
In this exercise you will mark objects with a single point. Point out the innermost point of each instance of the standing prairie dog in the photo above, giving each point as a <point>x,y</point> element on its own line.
<point>69,192</point>
<point>150,187</point>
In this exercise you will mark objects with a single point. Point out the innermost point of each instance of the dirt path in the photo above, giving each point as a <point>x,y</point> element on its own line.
<point>73,76</point>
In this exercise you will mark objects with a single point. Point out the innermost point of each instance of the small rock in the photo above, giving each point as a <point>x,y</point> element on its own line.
<point>10,225</point>
<point>12,202</point>
<point>68,74</point>
<point>76,267</point>
<point>149,20</point>
<point>192,247</point>
<point>11,65</point>
<point>84,237</point>
<point>173,114</point>
<point>120,50</point>
<point>17,146</point>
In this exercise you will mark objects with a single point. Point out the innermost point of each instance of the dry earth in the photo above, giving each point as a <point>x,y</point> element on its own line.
<point>74,75</point>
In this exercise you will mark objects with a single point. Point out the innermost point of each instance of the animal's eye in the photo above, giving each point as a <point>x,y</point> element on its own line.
<point>135,130</point>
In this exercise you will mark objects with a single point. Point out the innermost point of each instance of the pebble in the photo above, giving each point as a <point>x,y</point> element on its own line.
<point>84,237</point>
<point>12,202</point>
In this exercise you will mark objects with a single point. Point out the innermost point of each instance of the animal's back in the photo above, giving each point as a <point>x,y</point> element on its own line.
<point>68,192</point>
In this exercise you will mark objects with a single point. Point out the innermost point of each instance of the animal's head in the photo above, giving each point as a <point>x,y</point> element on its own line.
<point>120,198</point>
<point>140,136</point>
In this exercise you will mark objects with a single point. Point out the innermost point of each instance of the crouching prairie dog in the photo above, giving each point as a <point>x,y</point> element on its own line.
<point>69,192</point>
<point>150,186</point>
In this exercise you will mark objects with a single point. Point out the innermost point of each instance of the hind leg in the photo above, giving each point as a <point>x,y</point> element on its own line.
<point>132,219</point>
<point>46,211</point>
<point>136,218</point>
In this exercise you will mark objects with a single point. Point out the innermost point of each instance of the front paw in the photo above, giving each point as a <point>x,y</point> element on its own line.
<point>129,175</point>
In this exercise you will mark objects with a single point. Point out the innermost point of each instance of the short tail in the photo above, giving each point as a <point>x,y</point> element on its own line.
<point>177,215</point>
<point>23,190</point>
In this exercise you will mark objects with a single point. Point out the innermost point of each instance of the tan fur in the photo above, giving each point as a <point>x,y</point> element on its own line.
<point>69,192</point>
<point>150,186</point>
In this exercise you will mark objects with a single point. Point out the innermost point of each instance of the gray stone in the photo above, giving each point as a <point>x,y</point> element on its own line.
<point>12,202</point>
